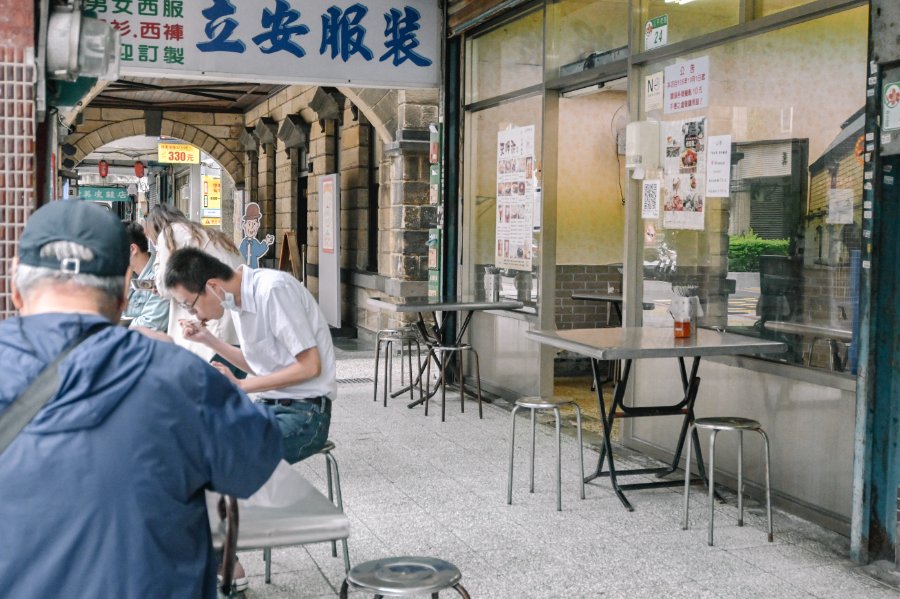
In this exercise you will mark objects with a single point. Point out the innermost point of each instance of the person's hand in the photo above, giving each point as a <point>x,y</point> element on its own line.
<point>227,373</point>
<point>195,331</point>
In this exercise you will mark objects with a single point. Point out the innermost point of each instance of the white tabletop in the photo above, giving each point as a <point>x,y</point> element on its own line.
<point>652,342</point>
<point>438,304</point>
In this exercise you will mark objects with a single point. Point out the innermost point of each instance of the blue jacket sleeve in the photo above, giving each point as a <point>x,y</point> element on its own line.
<point>244,440</point>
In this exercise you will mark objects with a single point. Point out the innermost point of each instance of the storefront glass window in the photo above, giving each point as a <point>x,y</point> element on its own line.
<point>503,147</point>
<point>685,20</point>
<point>763,8</point>
<point>506,59</point>
<point>760,187</point>
<point>586,34</point>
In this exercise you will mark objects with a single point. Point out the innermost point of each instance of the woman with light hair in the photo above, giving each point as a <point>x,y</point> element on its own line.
<point>172,230</point>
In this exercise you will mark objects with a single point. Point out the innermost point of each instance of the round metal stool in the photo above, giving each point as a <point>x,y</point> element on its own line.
<point>333,480</point>
<point>403,577</point>
<point>544,403</point>
<point>726,423</point>
<point>405,338</point>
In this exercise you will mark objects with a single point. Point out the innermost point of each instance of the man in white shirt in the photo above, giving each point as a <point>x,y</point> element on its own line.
<point>285,341</point>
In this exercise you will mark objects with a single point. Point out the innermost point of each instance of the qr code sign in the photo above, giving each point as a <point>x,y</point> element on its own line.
<point>650,199</point>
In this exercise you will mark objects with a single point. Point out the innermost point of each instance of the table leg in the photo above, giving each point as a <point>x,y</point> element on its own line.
<point>607,421</point>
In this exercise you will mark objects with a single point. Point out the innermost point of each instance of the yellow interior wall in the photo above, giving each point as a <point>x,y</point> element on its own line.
<point>590,215</point>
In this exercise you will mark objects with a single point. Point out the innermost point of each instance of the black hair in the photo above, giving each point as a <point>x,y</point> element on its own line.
<point>190,268</point>
<point>137,236</point>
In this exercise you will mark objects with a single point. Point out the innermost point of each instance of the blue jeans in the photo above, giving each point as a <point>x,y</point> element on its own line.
<point>304,428</point>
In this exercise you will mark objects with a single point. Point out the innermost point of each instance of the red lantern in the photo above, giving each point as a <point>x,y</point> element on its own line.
<point>139,169</point>
<point>103,168</point>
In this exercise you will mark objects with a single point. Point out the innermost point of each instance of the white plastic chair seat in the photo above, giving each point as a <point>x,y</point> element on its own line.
<point>301,515</point>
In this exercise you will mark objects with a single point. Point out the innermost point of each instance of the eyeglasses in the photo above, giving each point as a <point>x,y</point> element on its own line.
<point>187,306</point>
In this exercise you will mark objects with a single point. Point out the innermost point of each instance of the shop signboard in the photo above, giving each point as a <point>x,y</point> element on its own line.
<point>515,197</point>
<point>103,194</point>
<point>687,85</point>
<point>369,43</point>
<point>176,153</point>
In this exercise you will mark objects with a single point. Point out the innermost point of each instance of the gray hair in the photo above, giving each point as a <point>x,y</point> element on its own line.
<point>27,278</point>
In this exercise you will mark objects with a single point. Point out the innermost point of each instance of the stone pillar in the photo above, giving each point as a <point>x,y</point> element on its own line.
<point>285,196</point>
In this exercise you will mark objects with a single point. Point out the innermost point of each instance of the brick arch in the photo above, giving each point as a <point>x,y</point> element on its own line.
<point>188,133</point>
<point>380,114</point>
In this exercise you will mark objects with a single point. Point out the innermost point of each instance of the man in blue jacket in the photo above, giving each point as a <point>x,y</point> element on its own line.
<point>102,494</point>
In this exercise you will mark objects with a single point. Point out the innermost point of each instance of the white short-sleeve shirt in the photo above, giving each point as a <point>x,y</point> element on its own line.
<point>278,319</point>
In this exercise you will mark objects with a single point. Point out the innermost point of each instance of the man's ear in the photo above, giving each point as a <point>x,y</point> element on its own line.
<point>17,299</point>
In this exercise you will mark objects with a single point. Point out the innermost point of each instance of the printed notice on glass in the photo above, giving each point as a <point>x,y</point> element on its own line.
<point>515,197</point>
<point>718,167</point>
<point>840,207</point>
<point>687,85</point>
<point>656,32</point>
<point>650,199</point>
<point>684,178</point>
<point>653,91</point>
<point>890,111</point>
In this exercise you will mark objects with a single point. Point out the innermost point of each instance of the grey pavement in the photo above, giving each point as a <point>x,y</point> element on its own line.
<point>413,485</point>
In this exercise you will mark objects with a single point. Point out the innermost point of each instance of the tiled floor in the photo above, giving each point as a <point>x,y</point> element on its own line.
<point>415,486</point>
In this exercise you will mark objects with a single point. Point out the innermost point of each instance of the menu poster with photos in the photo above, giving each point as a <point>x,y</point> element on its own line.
<point>515,197</point>
<point>684,179</point>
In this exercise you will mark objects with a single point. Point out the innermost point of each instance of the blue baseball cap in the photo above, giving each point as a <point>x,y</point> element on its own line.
<point>79,222</point>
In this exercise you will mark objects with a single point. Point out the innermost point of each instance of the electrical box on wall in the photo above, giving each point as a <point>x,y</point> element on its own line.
<point>642,145</point>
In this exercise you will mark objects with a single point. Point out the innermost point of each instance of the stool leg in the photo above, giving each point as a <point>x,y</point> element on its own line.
<point>580,449</point>
<point>712,484</point>
<point>558,463</point>
<point>340,504</point>
<point>462,591</point>
<point>462,384</point>
<point>345,587</point>
<point>740,481</point>
<point>512,450</point>
<point>428,379</point>
<point>409,343</point>
<point>267,556</point>
<point>377,357</point>
<point>531,485</point>
<point>403,343</point>
<point>478,382</point>
<point>330,486</point>
<point>443,386</point>
<point>388,366</point>
<point>687,477</point>
<point>768,487</point>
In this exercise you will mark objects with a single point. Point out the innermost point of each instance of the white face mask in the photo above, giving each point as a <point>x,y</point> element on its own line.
<point>227,301</point>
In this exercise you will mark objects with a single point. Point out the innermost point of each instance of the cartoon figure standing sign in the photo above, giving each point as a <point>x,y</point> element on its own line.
<point>252,249</point>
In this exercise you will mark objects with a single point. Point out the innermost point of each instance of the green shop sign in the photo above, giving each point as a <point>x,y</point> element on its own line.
<point>103,194</point>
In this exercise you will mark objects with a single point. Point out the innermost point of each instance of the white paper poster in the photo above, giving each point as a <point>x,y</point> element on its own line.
<point>653,91</point>
<point>650,199</point>
<point>687,85</point>
<point>718,167</point>
<point>840,207</point>
<point>684,174</point>
<point>515,197</point>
